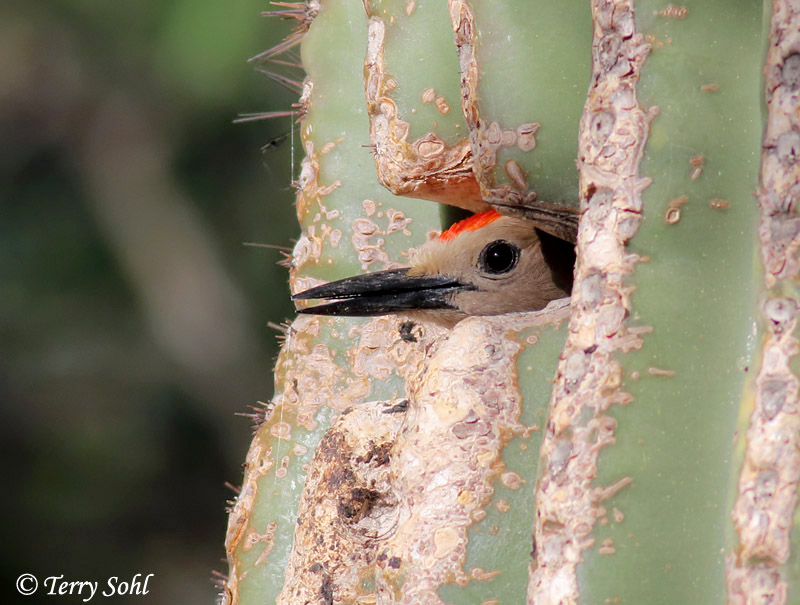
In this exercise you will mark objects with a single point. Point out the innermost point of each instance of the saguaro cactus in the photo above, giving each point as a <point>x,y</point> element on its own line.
<point>638,443</point>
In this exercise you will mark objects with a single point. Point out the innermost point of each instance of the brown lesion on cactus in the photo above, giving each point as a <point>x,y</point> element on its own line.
<point>426,168</point>
<point>429,96</point>
<point>368,237</point>
<point>673,214</point>
<point>763,514</point>
<point>313,377</point>
<point>347,507</point>
<point>310,199</point>
<point>452,442</point>
<point>673,11</point>
<point>364,512</point>
<point>613,133</point>
<point>384,349</point>
<point>697,162</point>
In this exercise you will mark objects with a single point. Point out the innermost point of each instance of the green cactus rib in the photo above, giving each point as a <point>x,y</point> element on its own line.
<point>368,224</point>
<point>350,224</point>
<point>422,64</point>
<point>523,85</point>
<point>411,84</point>
<point>587,397</point>
<point>762,562</point>
<point>499,543</point>
<point>697,294</point>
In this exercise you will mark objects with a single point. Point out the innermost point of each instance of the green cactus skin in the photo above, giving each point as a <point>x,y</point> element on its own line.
<point>523,79</point>
<point>342,235</point>
<point>697,293</point>
<point>500,543</point>
<point>420,58</point>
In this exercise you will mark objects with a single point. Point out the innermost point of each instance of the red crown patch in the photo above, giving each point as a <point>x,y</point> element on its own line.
<point>473,223</point>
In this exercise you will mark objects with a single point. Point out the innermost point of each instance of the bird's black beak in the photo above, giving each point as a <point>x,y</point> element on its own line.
<point>383,292</point>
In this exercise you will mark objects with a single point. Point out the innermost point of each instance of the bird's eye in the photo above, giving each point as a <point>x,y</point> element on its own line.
<point>499,257</point>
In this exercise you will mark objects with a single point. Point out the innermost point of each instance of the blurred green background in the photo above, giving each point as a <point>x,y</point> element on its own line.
<point>134,322</point>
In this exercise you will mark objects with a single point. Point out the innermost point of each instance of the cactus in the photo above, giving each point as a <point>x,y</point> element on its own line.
<point>637,445</point>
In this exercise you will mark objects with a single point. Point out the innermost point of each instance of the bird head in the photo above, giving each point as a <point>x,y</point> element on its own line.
<point>487,264</point>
